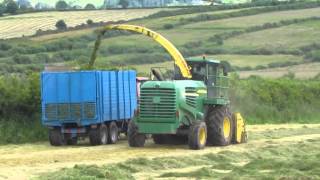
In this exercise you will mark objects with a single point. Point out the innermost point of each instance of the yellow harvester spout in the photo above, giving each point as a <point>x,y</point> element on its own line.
<point>171,49</point>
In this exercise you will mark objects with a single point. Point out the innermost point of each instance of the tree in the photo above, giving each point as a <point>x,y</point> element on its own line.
<point>24,4</point>
<point>11,7</point>
<point>2,9</point>
<point>124,3</point>
<point>61,25</point>
<point>89,6</point>
<point>61,5</point>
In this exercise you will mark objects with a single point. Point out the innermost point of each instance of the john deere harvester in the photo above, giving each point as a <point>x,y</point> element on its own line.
<point>194,105</point>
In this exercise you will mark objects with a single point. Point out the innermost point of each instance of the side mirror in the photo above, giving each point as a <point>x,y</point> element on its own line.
<point>225,71</point>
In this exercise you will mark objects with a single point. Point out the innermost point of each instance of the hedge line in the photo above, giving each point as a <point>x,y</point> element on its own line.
<point>260,100</point>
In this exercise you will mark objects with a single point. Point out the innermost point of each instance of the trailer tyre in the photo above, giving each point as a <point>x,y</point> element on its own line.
<point>70,140</point>
<point>135,139</point>
<point>220,126</point>
<point>55,137</point>
<point>197,137</point>
<point>159,138</point>
<point>99,135</point>
<point>113,133</point>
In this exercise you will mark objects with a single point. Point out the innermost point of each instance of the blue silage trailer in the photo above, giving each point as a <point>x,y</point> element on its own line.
<point>98,104</point>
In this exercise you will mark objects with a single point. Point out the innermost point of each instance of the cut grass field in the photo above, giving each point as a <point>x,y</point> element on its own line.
<point>28,24</point>
<point>272,151</point>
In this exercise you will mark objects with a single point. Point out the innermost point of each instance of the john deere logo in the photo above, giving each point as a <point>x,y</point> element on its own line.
<point>156,100</point>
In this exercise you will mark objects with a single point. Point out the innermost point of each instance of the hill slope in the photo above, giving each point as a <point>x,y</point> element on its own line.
<point>249,38</point>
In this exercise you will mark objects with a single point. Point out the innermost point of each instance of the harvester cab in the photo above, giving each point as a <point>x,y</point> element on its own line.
<point>192,107</point>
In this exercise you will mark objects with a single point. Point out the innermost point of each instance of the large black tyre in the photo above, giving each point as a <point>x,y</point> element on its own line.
<point>197,136</point>
<point>159,138</point>
<point>69,140</point>
<point>99,135</point>
<point>135,139</point>
<point>113,133</point>
<point>220,126</point>
<point>56,137</point>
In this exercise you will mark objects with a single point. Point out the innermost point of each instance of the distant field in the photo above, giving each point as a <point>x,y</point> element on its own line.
<point>303,71</point>
<point>28,24</point>
<point>255,60</point>
<point>252,49</point>
<point>234,60</point>
<point>247,21</point>
<point>288,37</point>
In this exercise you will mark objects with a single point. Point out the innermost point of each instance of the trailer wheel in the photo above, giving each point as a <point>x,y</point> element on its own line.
<point>113,133</point>
<point>55,137</point>
<point>70,140</point>
<point>135,139</point>
<point>159,138</point>
<point>220,126</point>
<point>99,135</point>
<point>197,137</point>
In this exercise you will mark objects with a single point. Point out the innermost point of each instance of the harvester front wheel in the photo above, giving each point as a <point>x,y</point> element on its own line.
<point>220,126</point>
<point>197,137</point>
<point>56,137</point>
<point>113,133</point>
<point>135,139</point>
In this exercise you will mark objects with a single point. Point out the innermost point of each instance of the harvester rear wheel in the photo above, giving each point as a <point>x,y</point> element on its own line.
<point>220,126</point>
<point>135,139</point>
<point>56,137</point>
<point>197,136</point>
<point>113,133</point>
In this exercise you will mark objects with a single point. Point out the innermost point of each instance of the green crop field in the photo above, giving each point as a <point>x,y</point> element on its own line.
<point>289,37</point>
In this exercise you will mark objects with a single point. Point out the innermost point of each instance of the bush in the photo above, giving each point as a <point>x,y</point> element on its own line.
<point>314,55</point>
<point>61,25</point>
<point>89,22</point>
<point>21,59</point>
<point>5,46</point>
<point>42,58</point>
<point>168,26</point>
<point>281,100</point>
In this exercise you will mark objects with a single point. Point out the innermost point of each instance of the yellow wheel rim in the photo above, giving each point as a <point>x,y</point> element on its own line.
<point>202,136</point>
<point>226,127</point>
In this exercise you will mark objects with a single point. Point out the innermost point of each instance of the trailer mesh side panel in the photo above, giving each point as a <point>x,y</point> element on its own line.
<point>72,111</point>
